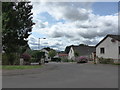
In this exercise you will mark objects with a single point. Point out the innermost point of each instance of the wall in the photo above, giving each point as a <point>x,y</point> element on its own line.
<point>71,54</point>
<point>46,55</point>
<point>111,49</point>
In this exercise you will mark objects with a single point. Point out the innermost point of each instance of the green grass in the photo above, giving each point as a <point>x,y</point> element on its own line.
<point>14,67</point>
<point>116,63</point>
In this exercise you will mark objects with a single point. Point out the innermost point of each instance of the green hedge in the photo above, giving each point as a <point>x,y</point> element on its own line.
<point>5,59</point>
<point>33,60</point>
<point>67,60</point>
<point>106,60</point>
<point>11,58</point>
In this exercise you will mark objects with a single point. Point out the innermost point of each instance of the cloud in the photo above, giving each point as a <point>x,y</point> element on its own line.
<point>101,26</point>
<point>63,10</point>
<point>48,42</point>
<point>80,24</point>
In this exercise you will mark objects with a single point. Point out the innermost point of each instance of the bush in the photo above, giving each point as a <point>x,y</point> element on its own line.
<point>116,63</point>
<point>37,55</point>
<point>4,59</point>
<point>26,57</point>
<point>33,60</point>
<point>82,59</point>
<point>106,60</point>
<point>65,60</point>
<point>9,58</point>
<point>68,60</point>
<point>56,59</point>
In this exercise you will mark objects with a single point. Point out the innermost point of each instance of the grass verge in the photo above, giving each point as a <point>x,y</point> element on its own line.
<point>116,63</point>
<point>14,67</point>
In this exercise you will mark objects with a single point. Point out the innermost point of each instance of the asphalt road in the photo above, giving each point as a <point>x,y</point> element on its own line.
<point>63,75</point>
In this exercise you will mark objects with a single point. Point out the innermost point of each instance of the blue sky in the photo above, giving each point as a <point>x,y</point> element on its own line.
<point>64,24</point>
<point>105,8</point>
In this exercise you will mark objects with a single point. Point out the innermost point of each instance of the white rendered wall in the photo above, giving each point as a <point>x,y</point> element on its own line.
<point>111,49</point>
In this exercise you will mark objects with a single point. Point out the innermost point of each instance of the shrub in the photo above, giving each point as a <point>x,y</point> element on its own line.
<point>4,59</point>
<point>106,60</point>
<point>56,59</point>
<point>26,57</point>
<point>33,60</point>
<point>9,58</point>
<point>68,60</point>
<point>38,55</point>
<point>82,59</point>
<point>116,63</point>
<point>65,60</point>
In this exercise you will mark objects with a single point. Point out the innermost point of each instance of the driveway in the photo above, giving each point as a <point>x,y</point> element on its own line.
<point>63,75</point>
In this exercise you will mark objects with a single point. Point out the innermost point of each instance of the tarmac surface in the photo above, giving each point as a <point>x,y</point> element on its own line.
<point>63,75</point>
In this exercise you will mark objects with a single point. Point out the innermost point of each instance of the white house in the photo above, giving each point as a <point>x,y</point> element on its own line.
<point>46,50</point>
<point>109,47</point>
<point>76,51</point>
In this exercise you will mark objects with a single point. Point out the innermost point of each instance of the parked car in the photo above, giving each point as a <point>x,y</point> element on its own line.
<point>82,59</point>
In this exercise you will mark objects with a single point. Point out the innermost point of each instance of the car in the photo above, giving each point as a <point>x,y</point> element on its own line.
<point>82,59</point>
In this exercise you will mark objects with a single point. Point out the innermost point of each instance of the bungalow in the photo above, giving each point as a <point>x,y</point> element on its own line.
<point>109,47</point>
<point>84,50</point>
<point>63,56</point>
<point>46,50</point>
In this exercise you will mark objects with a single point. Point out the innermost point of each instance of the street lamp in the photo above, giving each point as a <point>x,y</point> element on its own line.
<point>39,42</point>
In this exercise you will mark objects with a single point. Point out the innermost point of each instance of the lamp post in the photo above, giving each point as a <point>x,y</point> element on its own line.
<point>39,42</point>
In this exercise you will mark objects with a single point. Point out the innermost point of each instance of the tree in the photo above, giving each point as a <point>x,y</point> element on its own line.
<point>38,55</point>
<point>17,25</point>
<point>26,56</point>
<point>83,45</point>
<point>76,54</point>
<point>52,53</point>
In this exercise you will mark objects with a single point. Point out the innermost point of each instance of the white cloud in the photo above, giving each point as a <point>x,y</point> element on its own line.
<point>81,24</point>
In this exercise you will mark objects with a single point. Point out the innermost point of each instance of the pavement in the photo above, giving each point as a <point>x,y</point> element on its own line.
<point>63,75</point>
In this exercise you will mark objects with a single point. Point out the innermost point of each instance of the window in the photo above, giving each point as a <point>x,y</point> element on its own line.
<point>102,50</point>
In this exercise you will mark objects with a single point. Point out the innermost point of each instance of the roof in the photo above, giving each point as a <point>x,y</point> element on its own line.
<point>116,37</point>
<point>83,50</point>
<point>67,49</point>
<point>62,54</point>
<point>47,49</point>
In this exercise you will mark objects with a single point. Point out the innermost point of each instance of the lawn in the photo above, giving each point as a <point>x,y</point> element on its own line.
<point>116,63</point>
<point>13,67</point>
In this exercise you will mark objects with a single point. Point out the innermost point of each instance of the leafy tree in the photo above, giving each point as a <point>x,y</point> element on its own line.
<point>38,55</point>
<point>16,25</point>
<point>83,45</point>
<point>26,56</point>
<point>76,54</point>
<point>67,49</point>
<point>52,53</point>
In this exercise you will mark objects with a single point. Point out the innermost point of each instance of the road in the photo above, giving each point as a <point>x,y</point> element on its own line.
<point>65,75</point>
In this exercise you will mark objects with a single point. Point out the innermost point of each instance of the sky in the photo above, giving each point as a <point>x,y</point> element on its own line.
<point>72,23</point>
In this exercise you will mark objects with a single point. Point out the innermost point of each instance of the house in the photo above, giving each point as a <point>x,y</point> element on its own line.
<point>63,55</point>
<point>109,47</point>
<point>81,50</point>
<point>46,50</point>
